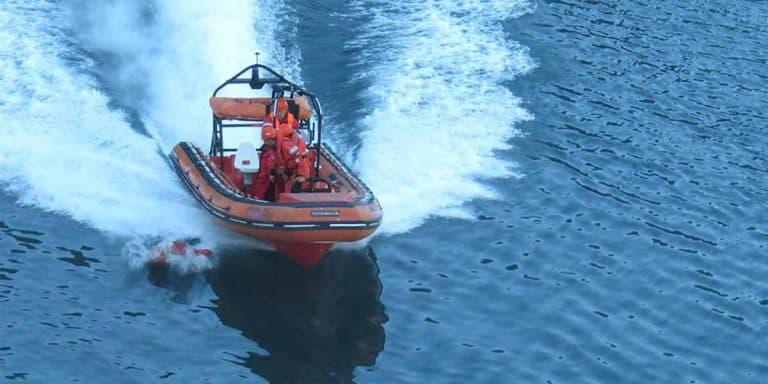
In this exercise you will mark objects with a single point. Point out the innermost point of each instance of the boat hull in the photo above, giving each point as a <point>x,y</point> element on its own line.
<point>303,225</point>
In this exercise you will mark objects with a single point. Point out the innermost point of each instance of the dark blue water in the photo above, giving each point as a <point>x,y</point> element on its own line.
<point>631,247</point>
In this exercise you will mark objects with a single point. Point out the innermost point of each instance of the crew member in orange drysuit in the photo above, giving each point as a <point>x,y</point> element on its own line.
<point>294,156</point>
<point>266,184</point>
<point>283,116</point>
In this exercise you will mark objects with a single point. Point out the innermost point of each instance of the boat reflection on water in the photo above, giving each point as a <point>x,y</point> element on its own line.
<point>316,325</point>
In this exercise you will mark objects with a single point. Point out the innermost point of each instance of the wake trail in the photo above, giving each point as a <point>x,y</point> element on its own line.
<point>66,149</point>
<point>441,114</point>
<point>62,149</point>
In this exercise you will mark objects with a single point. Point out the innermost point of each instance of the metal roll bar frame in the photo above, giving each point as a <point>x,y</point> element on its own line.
<point>280,86</point>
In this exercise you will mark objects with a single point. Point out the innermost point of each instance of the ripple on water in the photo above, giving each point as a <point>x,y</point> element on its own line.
<point>658,174</point>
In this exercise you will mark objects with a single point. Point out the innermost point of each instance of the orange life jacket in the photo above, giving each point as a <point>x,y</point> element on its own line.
<point>293,154</point>
<point>282,125</point>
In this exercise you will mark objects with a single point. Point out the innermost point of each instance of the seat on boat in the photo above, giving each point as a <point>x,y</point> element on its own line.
<point>247,158</point>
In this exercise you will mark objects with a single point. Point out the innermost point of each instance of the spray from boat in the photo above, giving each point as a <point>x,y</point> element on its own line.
<point>440,103</point>
<point>109,60</point>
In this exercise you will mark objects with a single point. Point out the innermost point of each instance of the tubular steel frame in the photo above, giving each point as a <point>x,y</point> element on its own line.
<point>280,86</point>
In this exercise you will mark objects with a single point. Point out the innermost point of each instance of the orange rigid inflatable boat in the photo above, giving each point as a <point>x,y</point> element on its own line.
<point>336,207</point>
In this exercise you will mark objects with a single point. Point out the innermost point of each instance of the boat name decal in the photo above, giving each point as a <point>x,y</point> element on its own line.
<point>326,213</point>
<point>257,213</point>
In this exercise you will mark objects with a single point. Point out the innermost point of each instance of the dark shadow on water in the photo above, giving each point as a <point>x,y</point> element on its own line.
<point>316,325</point>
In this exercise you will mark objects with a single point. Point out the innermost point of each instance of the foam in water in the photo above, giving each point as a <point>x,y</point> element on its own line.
<point>176,52</point>
<point>140,251</point>
<point>171,54</point>
<point>62,149</point>
<point>439,109</point>
<point>440,112</point>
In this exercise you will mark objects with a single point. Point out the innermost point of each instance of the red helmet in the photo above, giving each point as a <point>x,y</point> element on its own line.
<point>268,132</point>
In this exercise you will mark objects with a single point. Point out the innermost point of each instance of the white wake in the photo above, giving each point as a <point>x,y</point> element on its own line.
<point>440,114</point>
<point>63,148</point>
